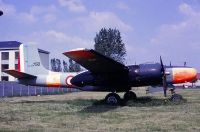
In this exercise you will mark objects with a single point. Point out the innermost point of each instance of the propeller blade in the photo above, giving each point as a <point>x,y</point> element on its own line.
<point>164,80</point>
<point>165,86</point>
<point>162,66</point>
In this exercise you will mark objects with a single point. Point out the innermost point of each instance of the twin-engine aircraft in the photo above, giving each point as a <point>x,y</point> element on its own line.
<point>104,74</point>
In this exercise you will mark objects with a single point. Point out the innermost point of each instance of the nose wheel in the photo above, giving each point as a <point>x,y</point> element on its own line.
<point>175,97</point>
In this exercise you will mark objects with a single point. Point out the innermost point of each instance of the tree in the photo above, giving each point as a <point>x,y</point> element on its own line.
<point>109,43</point>
<point>53,64</point>
<point>56,65</point>
<point>77,67</point>
<point>73,66</point>
<point>65,66</point>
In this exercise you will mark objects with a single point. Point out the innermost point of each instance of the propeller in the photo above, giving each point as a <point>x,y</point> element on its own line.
<point>164,80</point>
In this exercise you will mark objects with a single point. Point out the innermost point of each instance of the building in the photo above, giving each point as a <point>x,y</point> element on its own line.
<point>197,83</point>
<point>9,54</point>
<point>198,76</point>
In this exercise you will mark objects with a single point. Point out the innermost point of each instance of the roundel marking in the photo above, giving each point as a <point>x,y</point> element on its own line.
<point>68,80</point>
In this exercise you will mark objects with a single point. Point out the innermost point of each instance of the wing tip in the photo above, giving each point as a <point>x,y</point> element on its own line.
<point>76,50</point>
<point>79,53</point>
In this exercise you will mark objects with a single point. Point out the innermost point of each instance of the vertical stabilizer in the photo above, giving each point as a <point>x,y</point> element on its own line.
<point>29,60</point>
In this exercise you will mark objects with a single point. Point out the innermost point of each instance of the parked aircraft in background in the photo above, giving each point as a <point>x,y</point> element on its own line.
<point>32,72</point>
<point>105,74</point>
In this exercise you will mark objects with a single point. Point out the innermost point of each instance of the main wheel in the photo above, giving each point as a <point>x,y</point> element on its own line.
<point>112,99</point>
<point>176,98</point>
<point>130,96</point>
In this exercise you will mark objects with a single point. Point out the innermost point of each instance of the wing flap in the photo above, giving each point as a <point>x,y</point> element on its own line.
<point>18,74</point>
<point>94,61</point>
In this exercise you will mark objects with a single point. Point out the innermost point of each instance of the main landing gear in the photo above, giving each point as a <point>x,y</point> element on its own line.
<point>130,96</point>
<point>114,98</point>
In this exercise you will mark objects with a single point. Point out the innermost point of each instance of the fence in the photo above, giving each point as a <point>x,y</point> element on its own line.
<point>9,89</point>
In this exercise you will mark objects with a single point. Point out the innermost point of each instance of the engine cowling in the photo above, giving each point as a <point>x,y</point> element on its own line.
<point>180,74</point>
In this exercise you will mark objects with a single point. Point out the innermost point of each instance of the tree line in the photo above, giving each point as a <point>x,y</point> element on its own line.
<point>63,66</point>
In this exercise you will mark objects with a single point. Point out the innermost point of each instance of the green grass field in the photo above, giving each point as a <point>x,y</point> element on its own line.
<point>86,111</point>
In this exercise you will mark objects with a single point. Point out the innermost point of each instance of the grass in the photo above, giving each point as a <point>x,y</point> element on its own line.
<point>86,111</point>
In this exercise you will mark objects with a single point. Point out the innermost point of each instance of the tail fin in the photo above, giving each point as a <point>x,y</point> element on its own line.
<point>29,60</point>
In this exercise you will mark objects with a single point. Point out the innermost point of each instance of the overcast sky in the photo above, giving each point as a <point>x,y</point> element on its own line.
<point>149,28</point>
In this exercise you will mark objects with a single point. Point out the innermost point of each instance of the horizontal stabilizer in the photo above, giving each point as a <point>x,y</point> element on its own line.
<point>19,75</point>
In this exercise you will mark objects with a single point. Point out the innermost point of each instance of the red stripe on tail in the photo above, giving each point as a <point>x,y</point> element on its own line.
<point>19,66</point>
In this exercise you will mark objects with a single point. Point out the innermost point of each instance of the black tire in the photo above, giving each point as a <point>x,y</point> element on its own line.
<point>130,96</point>
<point>176,98</point>
<point>112,99</point>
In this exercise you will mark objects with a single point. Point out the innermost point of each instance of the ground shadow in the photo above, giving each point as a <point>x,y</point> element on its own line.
<point>73,102</point>
<point>100,106</point>
<point>89,105</point>
<point>147,101</point>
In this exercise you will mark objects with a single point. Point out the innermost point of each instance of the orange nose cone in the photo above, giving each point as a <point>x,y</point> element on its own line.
<point>182,75</point>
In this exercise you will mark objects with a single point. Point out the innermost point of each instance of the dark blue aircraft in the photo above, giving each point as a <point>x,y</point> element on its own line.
<point>106,74</point>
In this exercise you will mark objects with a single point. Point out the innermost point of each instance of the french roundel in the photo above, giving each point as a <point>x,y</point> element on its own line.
<point>68,80</point>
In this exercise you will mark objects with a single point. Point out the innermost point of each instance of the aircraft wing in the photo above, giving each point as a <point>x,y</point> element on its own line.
<point>18,74</point>
<point>95,62</point>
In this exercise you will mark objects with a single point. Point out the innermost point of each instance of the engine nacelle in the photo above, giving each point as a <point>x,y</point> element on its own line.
<point>180,74</point>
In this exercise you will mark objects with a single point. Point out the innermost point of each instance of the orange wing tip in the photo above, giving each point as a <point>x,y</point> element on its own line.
<point>79,53</point>
<point>77,49</point>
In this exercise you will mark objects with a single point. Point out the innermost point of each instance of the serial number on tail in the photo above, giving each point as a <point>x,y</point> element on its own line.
<point>35,64</point>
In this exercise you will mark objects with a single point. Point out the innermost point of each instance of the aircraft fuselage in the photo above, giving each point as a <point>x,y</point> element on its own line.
<point>137,75</point>
<point>52,79</point>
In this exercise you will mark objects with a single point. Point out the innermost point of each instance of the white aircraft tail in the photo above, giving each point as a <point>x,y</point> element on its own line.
<point>29,60</point>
